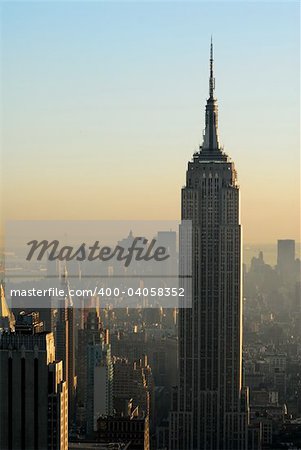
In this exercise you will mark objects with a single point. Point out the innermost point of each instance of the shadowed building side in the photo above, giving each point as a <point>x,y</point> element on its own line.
<point>34,395</point>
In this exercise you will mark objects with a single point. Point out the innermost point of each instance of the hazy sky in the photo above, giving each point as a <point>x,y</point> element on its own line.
<point>103,106</point>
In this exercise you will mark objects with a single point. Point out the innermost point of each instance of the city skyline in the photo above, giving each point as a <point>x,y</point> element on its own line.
<point>150,291</point>
<point>87,106</point>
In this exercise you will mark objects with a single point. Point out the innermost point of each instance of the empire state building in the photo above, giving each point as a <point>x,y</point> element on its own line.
<point>210,408</point>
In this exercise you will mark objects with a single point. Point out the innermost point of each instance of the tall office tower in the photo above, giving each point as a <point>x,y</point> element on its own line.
<point>210,409</point>
<point>296,311</point>
<point>89,337</point>
<point>57,408</point>
<point>168,239</point>
<point>34,396</point>
<point>72,379</point>
<point>91,333</point>
<point>297,298</point>
<point>65,346</point>
<point>62,338</point>
<point>99,391</point>
<point>286,257</point>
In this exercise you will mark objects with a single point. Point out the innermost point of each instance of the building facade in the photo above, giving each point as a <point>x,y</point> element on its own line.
<point>99,389</point>
<point>210,409</point>
<point>286,259</point>
<point>65,346</point>
<point>91,333</point>
<point>131,427</point>
<point>34,395</point>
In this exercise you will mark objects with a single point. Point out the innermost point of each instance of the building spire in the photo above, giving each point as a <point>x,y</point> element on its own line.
<point>7,319</point>
<point>211,141</point>
<point>211,79</point>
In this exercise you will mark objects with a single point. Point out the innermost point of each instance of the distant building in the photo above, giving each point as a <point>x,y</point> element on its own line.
<point>57,408</point>
<point>90,333</point>
<point>99,393</point>
<point>254,437</point>
<point>161,351</point>
<point>65,345</point>
<point>297,298</point>
<point>269,418</point>
<point>34,396</point>
<point>131,382</point>
<point>29,323</point>
<point>168,240</point>
<point>131,427</point>
<point>43,307</point>
<point>7,319</point>
<point>286,257</point>
<point>162,435</point>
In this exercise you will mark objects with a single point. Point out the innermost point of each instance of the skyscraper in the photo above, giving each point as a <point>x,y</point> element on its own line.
<point>286,257</point>
<point>210,407</point>
<point>65,345</point>
<point>95,374</point>
<point>34,396</point>
<point>99,397</point>
<point>90,334</point>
